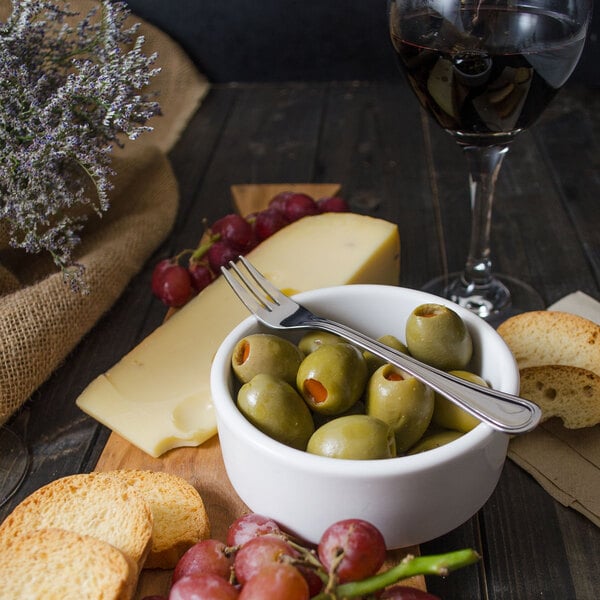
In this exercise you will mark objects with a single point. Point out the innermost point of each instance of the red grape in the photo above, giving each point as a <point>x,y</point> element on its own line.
<point>276,581</point>
<point>404,592</point>
<point>315,583</point>
<point>201,275</point>
<point>207,556</point>
<point>235,231</point>
<point>250,526</point>
<point>157,274</point>
<point>360,545</point>
<point>268,222</point>
<point>203,587</point>
<point>332,204</point>
<point>175,286</point>
<point>219,255</point>
<point>258,552</point>
<point>278,201</point>
<point>298,206</point>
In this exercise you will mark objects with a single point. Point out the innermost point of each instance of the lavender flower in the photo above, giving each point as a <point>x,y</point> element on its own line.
<point>69,91</point>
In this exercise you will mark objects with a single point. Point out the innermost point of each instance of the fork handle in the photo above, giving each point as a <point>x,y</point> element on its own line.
<point>504,412</point>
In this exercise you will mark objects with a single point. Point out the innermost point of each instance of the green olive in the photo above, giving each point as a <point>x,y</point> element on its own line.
<point>358,437</point>
<point>402,401</point>
<point>434,440</point>
<point>266,353</point>
<point>332,378</point>
<point>436,335</point>
<point>358,408</point>
<point>276,408</point>
<point>373,361</point>
<point>314,339</point>
<point>449,415</point>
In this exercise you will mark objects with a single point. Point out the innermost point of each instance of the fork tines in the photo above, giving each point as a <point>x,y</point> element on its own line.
<point>245,285</point>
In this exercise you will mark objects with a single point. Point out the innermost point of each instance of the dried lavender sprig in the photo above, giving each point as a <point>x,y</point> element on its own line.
<point>69,92</point>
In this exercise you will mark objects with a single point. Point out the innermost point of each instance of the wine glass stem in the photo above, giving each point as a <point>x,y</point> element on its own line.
<point>484,165</point>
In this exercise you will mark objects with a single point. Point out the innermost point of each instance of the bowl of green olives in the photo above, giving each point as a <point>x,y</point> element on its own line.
<point>314,430</point>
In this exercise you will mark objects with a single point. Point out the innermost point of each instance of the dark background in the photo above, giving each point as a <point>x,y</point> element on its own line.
<point>297,40</point>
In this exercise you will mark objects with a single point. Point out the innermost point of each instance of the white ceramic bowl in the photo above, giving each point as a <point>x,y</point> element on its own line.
<point>411,499</point>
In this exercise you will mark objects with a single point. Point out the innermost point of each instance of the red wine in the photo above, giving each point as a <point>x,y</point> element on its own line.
<point>491,72</point>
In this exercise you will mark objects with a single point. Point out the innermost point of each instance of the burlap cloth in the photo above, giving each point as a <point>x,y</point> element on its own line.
<point>41,319</point>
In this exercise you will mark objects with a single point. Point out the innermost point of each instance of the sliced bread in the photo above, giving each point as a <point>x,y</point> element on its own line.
<point>101,507</point>
<point>558,355</point>
<point>50,564</point>
<point>178,512</point>
<point>548,337</point>
<point>570,393</point>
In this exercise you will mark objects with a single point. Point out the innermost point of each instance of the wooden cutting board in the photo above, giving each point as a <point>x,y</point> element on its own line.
<point>203,466</point>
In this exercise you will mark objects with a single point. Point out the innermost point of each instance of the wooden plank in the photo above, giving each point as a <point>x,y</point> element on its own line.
<point>464,583</point>
<point>574,168</point>
<point>511,524</point>
<point>271,136</point>
<point>536,245</point>
<point>448,181</point>
<point>192,159</point>
<point>373,141</point>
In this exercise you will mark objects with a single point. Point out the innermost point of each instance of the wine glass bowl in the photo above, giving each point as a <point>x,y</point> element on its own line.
<point>485,71</point>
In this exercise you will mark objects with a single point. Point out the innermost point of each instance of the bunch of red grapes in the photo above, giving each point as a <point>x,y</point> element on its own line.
<point>231,236</point>
<point>259,561</point>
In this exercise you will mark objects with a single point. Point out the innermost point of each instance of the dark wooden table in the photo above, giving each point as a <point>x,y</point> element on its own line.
<point>392,163</point>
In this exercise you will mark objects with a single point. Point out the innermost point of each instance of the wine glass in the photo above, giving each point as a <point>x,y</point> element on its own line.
<point>14,463</point>
<point>485,70</point>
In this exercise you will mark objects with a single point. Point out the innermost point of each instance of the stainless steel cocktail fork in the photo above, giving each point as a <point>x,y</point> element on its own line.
<point>504,412</point>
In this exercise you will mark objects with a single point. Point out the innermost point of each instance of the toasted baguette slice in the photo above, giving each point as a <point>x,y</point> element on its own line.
<point>547,337</point>
<point>57,564</point>
<point>178,512</point>
<point>101,507</point>
<point>570,393</point>
<point>558,355</point>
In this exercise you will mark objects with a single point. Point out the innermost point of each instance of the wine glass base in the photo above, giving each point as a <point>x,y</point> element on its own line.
<point>501,298</point>
<point>14,463</point>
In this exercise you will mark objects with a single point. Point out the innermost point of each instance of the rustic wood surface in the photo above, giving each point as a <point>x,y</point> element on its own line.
<point>394,163</point>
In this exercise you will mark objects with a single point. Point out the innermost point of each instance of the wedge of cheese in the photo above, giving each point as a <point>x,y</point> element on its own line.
<point>158,396</point>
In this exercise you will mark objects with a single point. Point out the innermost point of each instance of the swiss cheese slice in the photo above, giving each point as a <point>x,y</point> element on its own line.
<point>158,396</point>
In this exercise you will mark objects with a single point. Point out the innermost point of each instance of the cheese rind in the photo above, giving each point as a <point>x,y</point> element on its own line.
<point>158,395</point>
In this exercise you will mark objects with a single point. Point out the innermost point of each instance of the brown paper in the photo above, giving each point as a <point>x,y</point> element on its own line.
<point>565,462</point>
<point>41,319</point>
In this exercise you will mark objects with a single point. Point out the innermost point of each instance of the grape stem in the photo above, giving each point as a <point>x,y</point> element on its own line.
<point>203,248</point>
<point>197,254</point>
<point>410,566</point>
<point>207,240</point>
